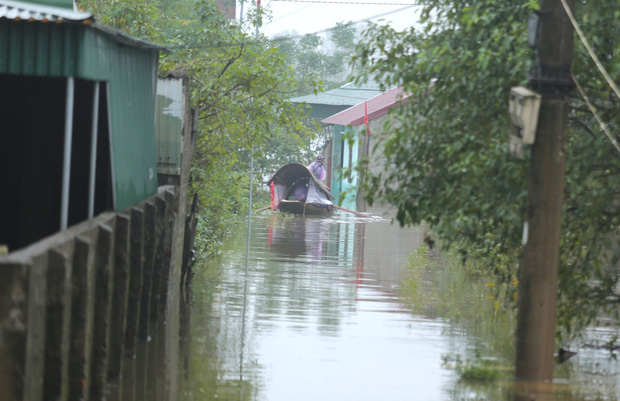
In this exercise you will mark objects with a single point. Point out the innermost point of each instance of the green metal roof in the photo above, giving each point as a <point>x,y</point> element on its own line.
<point>346,95</point>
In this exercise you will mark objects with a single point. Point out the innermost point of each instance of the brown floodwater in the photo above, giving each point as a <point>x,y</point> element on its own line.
<point>327,309</point>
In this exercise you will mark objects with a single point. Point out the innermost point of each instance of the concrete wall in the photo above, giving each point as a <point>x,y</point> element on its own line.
<point>77,307</point>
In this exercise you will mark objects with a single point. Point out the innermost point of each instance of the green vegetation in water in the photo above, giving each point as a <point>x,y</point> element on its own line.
<point>479,316</point>
<point>479,373</point>
<point>442,286</point>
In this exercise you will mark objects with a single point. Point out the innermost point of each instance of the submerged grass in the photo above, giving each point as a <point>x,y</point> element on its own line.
<point>440,285</point>
<point>478,373</point>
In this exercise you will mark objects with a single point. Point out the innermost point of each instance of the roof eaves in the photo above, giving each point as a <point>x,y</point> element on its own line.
<point>17,11</point>
<point>21,11</point>
<point>337,97</point>
<point>374,107</point>
<point>127,39</point>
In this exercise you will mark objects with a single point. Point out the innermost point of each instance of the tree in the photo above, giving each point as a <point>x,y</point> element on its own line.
<point>344,39</point>
<point>240,88</point>
<point>446,149</point>
<point>319,64</point>
<point>316,59</point>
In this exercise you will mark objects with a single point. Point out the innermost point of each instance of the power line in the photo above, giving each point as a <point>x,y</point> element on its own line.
<point>348,2</point>
<point>571,17</point>
<point>350,23</point>
<point>289,14</point>
<point>595,114</point>
<point>281,38</point>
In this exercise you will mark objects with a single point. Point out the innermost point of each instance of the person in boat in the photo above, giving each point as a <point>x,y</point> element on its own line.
<point>300,191</point>
<point>316,168</point>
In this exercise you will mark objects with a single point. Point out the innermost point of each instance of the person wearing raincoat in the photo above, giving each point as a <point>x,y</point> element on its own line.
<point>316,168</point>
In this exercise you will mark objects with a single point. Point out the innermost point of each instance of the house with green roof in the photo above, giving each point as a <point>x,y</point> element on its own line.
<point>328,103</point>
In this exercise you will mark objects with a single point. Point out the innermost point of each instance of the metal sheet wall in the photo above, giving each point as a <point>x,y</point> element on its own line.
<point>132,121</point>
<point>42,49</point>
<point>68,4</point>
<point>131,75</point>
<point>169,125</point>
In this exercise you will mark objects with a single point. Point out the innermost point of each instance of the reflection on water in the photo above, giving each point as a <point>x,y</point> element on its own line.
<point>323,321</point>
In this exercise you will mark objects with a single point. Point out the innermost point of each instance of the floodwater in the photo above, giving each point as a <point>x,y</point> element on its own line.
<point>326,309</point>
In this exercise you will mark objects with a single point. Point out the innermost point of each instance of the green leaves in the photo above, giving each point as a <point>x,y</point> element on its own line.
<point>315,60</point>
<point>446,159</point>
<point>240,86</point>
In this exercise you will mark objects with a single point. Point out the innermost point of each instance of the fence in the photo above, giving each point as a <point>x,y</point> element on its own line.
<point>79,309</point>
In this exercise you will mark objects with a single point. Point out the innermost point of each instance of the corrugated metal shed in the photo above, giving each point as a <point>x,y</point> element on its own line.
<point>376,107</point>
<point>74,46</point>
<point>169,125</point>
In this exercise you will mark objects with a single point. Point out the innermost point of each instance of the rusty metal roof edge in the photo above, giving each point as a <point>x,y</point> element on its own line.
<point>377,107</point>
<point>17,10</point>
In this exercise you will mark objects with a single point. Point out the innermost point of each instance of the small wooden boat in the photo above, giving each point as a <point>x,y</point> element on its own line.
<point>294,189</point>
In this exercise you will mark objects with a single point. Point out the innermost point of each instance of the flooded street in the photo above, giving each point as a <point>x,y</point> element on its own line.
<point>322,316</point>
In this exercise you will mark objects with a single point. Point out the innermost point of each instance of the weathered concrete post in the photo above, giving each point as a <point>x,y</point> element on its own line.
<point>148,269</point>
<point>56,382</point>
<point>158,352</point>
<point>81,321</point>
<point>143,345</point>
<point>119,295</point>
<point>136,255</point>
<point>103,296</point>
<point>160,256</point>
<point>154,362</point>
<point>35,328</point>
<point>165,274</point>
<point>135,280</point>
<point>13,327</point>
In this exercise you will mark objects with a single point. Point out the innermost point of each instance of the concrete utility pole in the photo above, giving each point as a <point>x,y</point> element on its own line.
<point>541,253</point>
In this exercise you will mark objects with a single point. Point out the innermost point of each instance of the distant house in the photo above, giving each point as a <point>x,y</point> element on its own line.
<point>344,155</point>
<point>78,111</point>
<point>326,104</point>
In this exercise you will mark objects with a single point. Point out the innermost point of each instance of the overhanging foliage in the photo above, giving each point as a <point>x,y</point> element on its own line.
<point>447,162</point>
